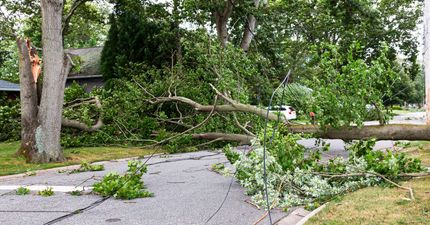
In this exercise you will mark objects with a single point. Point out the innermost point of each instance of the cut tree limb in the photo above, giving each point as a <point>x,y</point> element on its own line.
<point>385,132</point>
<point>82,126</point>
<point>232,107</point>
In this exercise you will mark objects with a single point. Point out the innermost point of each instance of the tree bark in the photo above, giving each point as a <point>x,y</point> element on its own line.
<point>248,32</point>
<point>385,132</point>
<point>82,126</point>
<point>29,102</point>
<point>41,125</point>
<point>234,107</point>
<point>56,66</point>
<point>221,20</point>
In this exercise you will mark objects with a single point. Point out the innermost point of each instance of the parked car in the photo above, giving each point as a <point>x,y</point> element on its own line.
<point>287,111</point>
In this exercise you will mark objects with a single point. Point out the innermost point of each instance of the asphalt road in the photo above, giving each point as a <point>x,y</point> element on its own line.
<point>186,192</point>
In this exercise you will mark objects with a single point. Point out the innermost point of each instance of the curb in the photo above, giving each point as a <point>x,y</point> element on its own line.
<point>311,214</point>
<point>20,175</point>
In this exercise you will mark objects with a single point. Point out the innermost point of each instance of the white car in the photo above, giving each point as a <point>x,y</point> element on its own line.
<point>287,111</point>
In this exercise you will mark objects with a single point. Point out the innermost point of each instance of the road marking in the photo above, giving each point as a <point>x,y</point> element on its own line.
<point>43,187</point>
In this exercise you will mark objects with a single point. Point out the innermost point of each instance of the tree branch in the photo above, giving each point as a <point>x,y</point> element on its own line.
<point>241,138</point>
<point>232,107</point>
<point>66,21</point>
<point>82,126</point>
<point>192,128</point>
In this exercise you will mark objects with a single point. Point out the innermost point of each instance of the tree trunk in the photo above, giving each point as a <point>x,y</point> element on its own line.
<point>41,126</point>
<point>248,32</point>
<point>221,20</point>
<point>177,21</point>
<point>56,67</point>
<point>386,132</point>
<point>29,106</point>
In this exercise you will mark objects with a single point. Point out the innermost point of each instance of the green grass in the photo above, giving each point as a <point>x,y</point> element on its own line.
<point>10,164</point>
<point>382,205</point>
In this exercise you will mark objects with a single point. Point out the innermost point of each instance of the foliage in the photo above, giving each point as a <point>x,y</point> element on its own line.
<point>22,191</point>
<point>295,95</point>
<point>74,91</point>
<point>46,192</point>
<point>127,186</point>
<point>344,85</point>
<point>88,26</point>
<point>9,61</point>
<point>140,32</point>
<point>220,169</point>
<point>231,155</point>
<point>85,167</point>
<point>10,117</point>
<point>295,179</point>
<point>184,143</point>
<point>390,163</point>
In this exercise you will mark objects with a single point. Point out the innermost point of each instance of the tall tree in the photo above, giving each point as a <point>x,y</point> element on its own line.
<point>140,33</point>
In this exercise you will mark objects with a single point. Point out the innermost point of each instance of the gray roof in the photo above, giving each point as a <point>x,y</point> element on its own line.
<point>90,62</point>
<point>8,86</point>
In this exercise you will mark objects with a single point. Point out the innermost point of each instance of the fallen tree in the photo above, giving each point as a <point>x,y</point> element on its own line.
<point>380,132</point>
<point>233,105</point>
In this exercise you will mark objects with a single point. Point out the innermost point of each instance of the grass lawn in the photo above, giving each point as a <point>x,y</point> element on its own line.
<point>382,205</point>
<point>9,164</point>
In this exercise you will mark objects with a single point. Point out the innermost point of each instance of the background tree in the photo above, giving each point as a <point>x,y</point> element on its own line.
<point>140,32</point>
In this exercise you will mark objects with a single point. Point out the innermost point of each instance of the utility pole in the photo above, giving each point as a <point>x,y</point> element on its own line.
<point>426,57</point>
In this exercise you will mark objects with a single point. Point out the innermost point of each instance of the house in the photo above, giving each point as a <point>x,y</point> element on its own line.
<point>11,90</point>
<point>86,71</point>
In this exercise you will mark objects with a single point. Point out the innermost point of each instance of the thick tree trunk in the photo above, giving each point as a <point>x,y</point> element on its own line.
<point>55,67</point>
<point>29,106</point>
<point>41,113</point>
<point>41,125</point>
<point>386,132</point>
<point>221,20</point>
